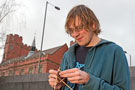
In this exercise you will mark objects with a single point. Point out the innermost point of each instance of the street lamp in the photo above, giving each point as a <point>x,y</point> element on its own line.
<point>40,54</point>
<point>129,57</point>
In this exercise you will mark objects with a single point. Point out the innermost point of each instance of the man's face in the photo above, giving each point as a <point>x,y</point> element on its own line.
<point>82,37</point>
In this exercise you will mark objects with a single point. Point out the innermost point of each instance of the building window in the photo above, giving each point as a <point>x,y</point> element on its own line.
<point>30,70</point>
<point>11,46</point>
<point>3,74</point>
<point>12,38</point>
<point>21,72</point>
<point>10,73</point>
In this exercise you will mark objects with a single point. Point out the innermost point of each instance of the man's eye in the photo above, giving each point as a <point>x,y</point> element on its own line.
<point>70,31</point>
<point>80,27</point>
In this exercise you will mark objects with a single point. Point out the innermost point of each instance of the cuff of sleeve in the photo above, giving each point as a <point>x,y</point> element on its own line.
<point>93,82</point>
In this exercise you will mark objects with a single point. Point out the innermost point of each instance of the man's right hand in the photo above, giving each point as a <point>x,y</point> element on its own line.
<point>53,79</point>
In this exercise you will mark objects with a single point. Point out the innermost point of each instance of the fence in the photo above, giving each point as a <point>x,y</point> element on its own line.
<point>39,82</point>
<point>25,82</point>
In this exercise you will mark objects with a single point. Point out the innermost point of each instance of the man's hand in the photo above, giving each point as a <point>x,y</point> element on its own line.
<point>53,79</point>
<point>75,75</point>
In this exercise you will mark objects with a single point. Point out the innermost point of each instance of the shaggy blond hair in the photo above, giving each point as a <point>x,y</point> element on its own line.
<point>85,15</point>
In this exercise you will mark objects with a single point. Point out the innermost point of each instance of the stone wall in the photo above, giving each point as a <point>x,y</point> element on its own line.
<point>25,82</point>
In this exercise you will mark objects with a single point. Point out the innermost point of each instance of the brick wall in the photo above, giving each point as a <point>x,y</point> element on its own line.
<point>132,77</point>
<point>48,61</point>
<point>57,56</point>
<point>14,47</point>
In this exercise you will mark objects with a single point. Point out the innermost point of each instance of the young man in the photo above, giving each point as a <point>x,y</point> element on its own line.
<point>92,63</point>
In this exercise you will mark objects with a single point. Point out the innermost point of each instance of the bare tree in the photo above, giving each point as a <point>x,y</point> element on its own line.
<point>2,39</point>
<point>6,8</point>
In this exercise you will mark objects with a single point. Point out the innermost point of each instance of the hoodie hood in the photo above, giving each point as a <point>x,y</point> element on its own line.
<point>102,41</point>
<point>71,52</point>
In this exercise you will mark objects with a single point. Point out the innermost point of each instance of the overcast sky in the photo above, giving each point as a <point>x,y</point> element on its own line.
<point>117,19</point>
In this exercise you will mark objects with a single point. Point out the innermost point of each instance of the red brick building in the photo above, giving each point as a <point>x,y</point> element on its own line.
<point>20,59</point>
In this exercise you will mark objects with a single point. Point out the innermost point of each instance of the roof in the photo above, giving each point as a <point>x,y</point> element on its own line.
<point>52,50</point>
<point>36,54</point>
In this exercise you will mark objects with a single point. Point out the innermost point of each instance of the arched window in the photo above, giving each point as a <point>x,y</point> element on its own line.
<point>30,70</point>
<point>21,72</point>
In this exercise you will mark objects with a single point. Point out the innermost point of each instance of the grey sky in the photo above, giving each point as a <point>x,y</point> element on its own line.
<point>117,19</point>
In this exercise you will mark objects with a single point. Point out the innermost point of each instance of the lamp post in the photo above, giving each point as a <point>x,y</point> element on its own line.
<point>40,53</point>
<point>129,57</point>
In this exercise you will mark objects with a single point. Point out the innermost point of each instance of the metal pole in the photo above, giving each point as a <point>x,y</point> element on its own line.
<point>40,53</point>
<point>130,59</point>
